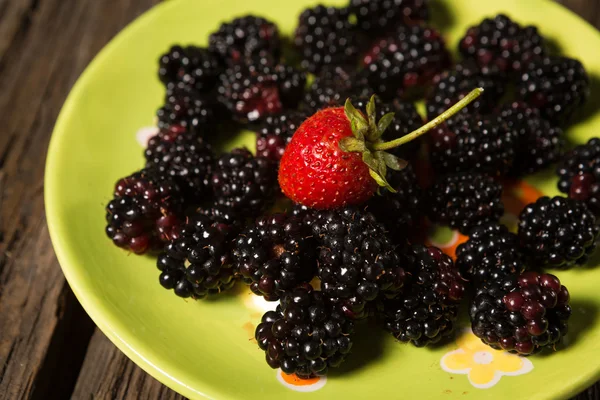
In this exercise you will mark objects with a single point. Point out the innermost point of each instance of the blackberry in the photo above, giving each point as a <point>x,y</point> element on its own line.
<point>245,37</point>
<point>357,262</point>
<point>306,335</point>
<point>190,66</point>
<point>198,262</point>
<point>474,144</point>
<point>579,174</point>
<point>275,132</point>
<point>465,200</point>
<point>539,143</point>
<point>401,64</point>
<point>426,312</point>
<point>188,108</point>
<point>325,36</point>
<point>406,120</point>
<point>243,182</point>
<point>275,255</point>
<point>378,16</point>
<point>503,44</point>
<point>557,232</point>
<point>226,217</point>
<point>399,212</point>
<point>184,157</point>
<point>145,211</point>
<point>490,253</point>
<point>557,86</point>
<point>331,87</point>
<point>251,92</point>
<point>521,314</point>
<point>451,86</point>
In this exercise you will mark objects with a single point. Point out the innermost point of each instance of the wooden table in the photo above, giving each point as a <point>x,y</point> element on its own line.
<point>49,348</point>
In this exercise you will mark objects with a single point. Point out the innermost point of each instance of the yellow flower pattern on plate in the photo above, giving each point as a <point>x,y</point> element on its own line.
<point>483,365</point>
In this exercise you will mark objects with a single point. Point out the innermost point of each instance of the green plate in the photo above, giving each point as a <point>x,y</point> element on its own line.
<point>203,349</point>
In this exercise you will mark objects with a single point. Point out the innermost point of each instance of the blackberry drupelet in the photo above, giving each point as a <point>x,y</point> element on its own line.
<point>145,211</point>
<point>539,143</point>
<point>226,218</point>
<point>402,64</point>
<point>254,91</point>
<point>521,314</point>
<point>475,144</point>
<point>306,335</point>
<point>379,16</point>
<point>502,44</point>
<point>198,262</point>
<point>465,200</point>
<point>184,157</point>
<point>325,36</point>
<point>246,37</point>
<point>426,312</point>
<point>451,86</point>
<point>331,87</point>
<point>188,108</point>
<point>275,255</point>
<point>243,182</point>
<point>191,66</point>
<point>406,120</point>
<point>401,212</point>
<point>491,252</point>
<point>357,261</point>
<point>557,232</point>
<point>579,174</point>
<point>276,131</point>
<point>557,86</point>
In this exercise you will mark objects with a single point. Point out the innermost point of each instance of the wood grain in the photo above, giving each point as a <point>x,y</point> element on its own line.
<point>49,348</point>
<point>44,46</point>
<point>108,374</point>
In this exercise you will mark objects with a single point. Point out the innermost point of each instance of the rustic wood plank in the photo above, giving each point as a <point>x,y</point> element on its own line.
<point>108,374</point>
<point>44,46</point>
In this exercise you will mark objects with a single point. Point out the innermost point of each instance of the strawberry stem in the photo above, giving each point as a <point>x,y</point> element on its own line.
<point>475,93</point>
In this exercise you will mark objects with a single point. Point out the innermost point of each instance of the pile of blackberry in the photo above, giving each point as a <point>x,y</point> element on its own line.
<point>197,263</point>
<point>275,132</point>
<point>465,200</point>
<point>557,232</point>
<point>275,255</point>
<point>245,183</point>
<point>401,64</point>
<point>306,335</point>
<point>379,16</point>
<point>251,92</point>
<point>474,144</point>
<point>539,143</point>
<point>521,313</point>
<point>491,252</point>
<point>212,216</point>
<point>145,212</point>
<point>557,86</point>
<point>325,36</point>
<point>428,308</point>
<point>185,157</point>
<point>579,173</point>
<point>357,262</point>
<point>454,84</point>
<point>502,44</point>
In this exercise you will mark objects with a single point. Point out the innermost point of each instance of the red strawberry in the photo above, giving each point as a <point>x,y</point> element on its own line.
<point>314,171</point>
<point>337,158</point>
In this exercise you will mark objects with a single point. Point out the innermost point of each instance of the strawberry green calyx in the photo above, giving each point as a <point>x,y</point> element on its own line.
<point>367,133</point>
